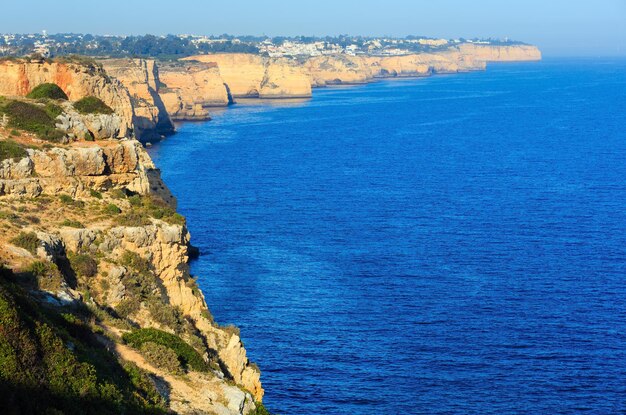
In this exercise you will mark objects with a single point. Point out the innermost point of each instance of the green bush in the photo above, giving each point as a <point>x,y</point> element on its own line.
<point>127,307</point>
<point>92,105</point>
<point>32,118</point>
<point>41,374</point>
<point>95,193</point>
<point>189,358</point>
<point>27,240</point>
<point>132,219</point>
<point>9,149</point>
<point>66,199</point>
<point>162,357</point>
<point>72,223</point>
<point>53,110</point>
<point>165,314</point>
<point>47,275</point>
<point>112,209</point>
<point>83,265</point>
<point>47,90</point>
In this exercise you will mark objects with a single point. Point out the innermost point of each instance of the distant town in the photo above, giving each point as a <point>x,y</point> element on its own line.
<point>175,46</point>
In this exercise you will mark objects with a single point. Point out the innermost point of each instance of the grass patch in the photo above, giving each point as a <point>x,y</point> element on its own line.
<point>47,90</point>
<point>10,150</point>
<point>72,224</point>
<point>92,105</point>
<point>188,357</point>
<point>95,193</point>
<point>27,240</point>
<point>162,357</point>
<point>112,209</point>
<point>32,118</point>
<point>83,265</point>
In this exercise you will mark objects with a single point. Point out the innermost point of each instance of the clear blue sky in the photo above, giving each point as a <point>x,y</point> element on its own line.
<point>559,27</point>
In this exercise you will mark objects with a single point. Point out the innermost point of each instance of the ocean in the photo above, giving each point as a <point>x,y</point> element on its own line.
<point>453,244</point>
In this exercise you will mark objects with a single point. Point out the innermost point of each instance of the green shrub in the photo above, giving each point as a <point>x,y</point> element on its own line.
<point>66,199</point>
<point>72,224</point>
<point>127,307</point>
<point>132,219</point>
<point>188,357</point>
<point>27,240</point>
<point>83,265</point>
<point>32,118</point>
<point>95,193</point>
<point>112,209</point>
<point>165,314</point>
<point>47,275</point>
<point>162,357</point>
<point>47,90</point>
<point>53,110</point>
<point>41,374</point>
<point>9,149</point>
<point>92,105</point>
<point>134,261</point>
<point>15,133</point>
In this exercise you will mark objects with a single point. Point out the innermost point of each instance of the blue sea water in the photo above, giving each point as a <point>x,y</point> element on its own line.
<point>455,244</point>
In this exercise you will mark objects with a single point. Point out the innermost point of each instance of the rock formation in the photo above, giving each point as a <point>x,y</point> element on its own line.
<point>141,78</point>
<point>249,75</point>
<point>104,200</point>
<point>77,79</point>
<point>494,53</point>
<point>189,88</point>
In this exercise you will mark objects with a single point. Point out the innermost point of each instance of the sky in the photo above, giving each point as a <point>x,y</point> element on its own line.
<point>558,27</point>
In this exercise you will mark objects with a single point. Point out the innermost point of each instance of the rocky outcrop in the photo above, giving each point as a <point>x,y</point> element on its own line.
<point>188,89</point>
<point>76,170</point>
<point>78,80</point>
<point>255,76</point>
<point>141,77</point>
<point>338,69</point>
<point>505,53</point>
<point>82,189</point>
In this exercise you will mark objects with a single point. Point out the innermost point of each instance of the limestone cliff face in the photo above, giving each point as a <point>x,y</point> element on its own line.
<point>78,80</point>
<point>189,88</point>
<point>77,169</point>
<point>493,53</point>
<point>141,78</point>
<point>92,173</point>
<point>250,75</point>
<point>338,69</point>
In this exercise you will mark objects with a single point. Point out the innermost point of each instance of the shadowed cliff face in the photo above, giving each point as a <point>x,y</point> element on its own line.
<point>141,78</point>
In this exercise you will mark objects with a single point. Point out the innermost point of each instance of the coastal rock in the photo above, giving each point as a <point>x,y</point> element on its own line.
<point>254,76</point>
<point>189,88</point>
<point>505,53</point>
<point>141,77</point>
<point>77,79</point>
<point>338,69</point>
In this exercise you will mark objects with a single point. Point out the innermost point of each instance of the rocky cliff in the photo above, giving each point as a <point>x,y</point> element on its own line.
<point>493,53</point>
<point>188,89</point>
<point>345,69</point>
<point>77,79</point>
<point>255,76</point>
<point>141,78</point>
<point>91,236</point>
